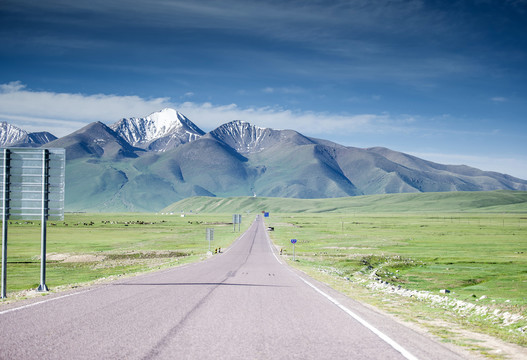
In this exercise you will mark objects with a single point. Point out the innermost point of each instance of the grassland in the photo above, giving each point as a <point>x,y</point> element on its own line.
<point>481,259</point>
<point>87,247</point>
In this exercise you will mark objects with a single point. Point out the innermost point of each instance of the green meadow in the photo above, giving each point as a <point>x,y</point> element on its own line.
<point>403,263</point>
<point>469,254</point>
<point>87,247</point>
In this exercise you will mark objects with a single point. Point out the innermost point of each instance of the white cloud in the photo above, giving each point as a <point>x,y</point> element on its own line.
<point>284,90</point>
<point>63,113</point>
<point>11,87</point>
<point>499,99</point>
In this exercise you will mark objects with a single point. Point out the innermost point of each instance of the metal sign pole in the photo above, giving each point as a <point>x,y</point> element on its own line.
<point>45,182</point>
<point>5,204</point>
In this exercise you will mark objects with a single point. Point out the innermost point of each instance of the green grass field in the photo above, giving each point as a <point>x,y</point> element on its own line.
<point>480,258</point>
<point>471,254</point>
<point>86,247</point>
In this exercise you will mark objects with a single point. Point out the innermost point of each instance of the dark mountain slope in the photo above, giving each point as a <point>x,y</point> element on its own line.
<point>95,140</point>
<point>304,171</point>
<point>210,165</point>
<point>37,139</point>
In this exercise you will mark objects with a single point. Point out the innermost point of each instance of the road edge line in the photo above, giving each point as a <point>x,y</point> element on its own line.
<point>41,302</point>
<point>366,324</point>
<point>373,329</point>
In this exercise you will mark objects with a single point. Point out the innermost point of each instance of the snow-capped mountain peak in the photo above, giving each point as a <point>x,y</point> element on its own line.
<point>11,135</point>
<point>244,137</point>
<point>159,131</point>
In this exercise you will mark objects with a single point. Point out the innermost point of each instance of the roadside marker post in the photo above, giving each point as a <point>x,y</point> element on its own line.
<point>210,236</point>
<point>293,241</point>
<point>236,219</point>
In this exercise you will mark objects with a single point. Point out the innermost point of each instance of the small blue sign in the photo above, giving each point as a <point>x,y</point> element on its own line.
<point>293,241</point>
<point>266,214</point>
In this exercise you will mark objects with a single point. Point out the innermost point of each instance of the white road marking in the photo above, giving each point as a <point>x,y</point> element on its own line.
<point>41,302</point>
<point>366,324</point>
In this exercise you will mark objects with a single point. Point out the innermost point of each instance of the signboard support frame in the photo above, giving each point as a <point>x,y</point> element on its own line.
<point>5,205</point>
<point>45,175</point>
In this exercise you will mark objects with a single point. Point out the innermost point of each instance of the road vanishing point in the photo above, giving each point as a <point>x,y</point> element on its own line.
<point>245,303</point>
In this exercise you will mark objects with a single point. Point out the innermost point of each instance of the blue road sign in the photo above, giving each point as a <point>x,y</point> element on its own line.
<point>293,241</point>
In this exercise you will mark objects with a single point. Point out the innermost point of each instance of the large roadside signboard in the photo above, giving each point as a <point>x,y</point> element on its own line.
<point>31,178</point>
<point>32,188</point>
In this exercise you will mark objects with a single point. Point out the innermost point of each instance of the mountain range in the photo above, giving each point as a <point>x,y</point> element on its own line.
<point>146,164</point>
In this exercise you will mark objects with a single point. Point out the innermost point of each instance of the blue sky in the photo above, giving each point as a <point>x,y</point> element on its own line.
<point>444,80</point>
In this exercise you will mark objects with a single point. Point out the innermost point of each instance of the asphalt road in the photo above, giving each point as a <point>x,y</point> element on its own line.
<point>242,304</point>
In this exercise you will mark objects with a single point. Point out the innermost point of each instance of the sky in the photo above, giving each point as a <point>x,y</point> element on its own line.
<point>442,80</point>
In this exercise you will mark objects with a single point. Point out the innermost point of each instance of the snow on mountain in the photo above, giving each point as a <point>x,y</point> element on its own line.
<point>246,138</point>
<point>159,131</point>
<point>11,136</point>
<point>242,136</point>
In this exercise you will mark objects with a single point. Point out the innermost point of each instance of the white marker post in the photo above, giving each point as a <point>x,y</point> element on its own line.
<point>210,236</point>
<point>293,241</point>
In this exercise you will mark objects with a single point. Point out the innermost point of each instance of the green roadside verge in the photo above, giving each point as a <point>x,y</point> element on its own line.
<point>466,269</point>
<point>93,247</point>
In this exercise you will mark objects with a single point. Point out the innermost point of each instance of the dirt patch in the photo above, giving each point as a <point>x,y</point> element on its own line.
<point>84,258</point>
<point>56,257</point>
<point>486,345</point>
<point>348,248</point>
<point>74,258</point>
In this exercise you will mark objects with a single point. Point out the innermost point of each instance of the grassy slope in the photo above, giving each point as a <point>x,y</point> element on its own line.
<point>491,201</point>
